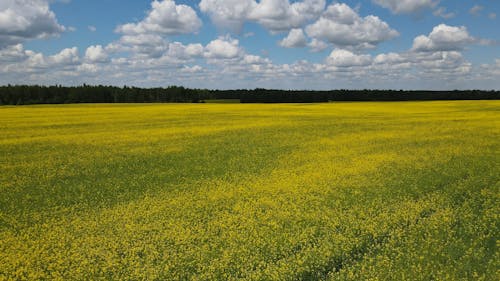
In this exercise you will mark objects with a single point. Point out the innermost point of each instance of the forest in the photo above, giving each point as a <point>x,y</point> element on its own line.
<point>35,94</point>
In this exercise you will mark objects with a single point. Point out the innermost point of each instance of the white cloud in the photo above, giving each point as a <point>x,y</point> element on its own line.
<point>317,45</point>
<point>21,20</point>
<point>184,52</point>
<point>275,15</point>
<point>228,13</point>
<point>343,27</point>
<point>142,39</point>
<point>151,59</point>
<point>192,69</point>
<point>445,65</point>
<point>143,45</point>
<point>443,38</point>
<point>406,6</point>
<point>13,53</point>
<point>67,56</point>
<point>223,48</point>
<point>295,39</point>
<point>390,58</point>
<point>146,39</point>
<point>488,72</point>
<point>451,60</point>
<point>96,54</point>
<point>92,28</point>
<point>281,15</point>
<point>194,50</point>
<point>492,16</point>
<point>345,58</point>
<point>341,69</point>
<point>34,61</point>
<point>253,59</point>
<point>476,10</point>
<point>22,63</point>
<point>164,18</point>
<point>86,68</point>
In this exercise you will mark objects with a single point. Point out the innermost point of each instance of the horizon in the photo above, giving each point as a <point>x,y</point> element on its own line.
<point>316,45</point>
<point>248,89</point>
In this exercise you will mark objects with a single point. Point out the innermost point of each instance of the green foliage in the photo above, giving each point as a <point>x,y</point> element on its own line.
<point>21,95</point>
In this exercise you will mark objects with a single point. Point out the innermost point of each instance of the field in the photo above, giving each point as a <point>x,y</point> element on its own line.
<point>336,191</point>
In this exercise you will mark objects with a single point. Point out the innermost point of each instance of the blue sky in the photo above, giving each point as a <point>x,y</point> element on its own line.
<point>306,44</point>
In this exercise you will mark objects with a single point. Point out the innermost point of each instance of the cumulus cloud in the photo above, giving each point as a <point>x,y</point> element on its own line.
<point>148,52</point>
<point>184,52</point>
<point>96,54</point>
<point>406,6</point>
<point>144,56</point>
<point>228,13</point>
<point>390,59</point>
<point>253,59</point>
<point>31,61</point>
<point>12,53</point>
<point>345,58</point>
<point>148,37</point>
<point>317,45</point>
<point>295,39</point>
<point>443,38</point>
<point>164,18</point>
<point>275,15</point>
<point>16,60</point>
<point>192,69</point>
<point>67,56</point>
<point>141,45</point>
<point>142,39</point>
<point>223,48</point>
<point>490,70</point>
<point>449,60</point>
<point>429,60</point>
<point>234,68</point>
<point>280,15</point>
<point>343,27</point>
<point>21,20</point>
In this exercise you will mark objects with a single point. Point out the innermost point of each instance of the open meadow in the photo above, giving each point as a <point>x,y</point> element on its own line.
<point>333,191</point>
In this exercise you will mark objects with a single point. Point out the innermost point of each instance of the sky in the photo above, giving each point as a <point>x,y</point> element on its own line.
<point>229,44</point>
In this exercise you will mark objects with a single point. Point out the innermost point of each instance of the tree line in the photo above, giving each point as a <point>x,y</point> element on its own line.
<point>34,94</point>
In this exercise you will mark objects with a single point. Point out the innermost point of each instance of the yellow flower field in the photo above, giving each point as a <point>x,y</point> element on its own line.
<point>336,191</point>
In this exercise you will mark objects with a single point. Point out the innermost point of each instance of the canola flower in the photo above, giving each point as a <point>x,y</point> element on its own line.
<point>340,191</point>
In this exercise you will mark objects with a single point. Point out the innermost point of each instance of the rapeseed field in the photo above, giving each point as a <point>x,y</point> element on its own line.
<point>338,191</point>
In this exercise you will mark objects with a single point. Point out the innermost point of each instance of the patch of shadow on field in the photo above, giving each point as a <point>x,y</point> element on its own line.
<point>452,183</point>
<point>370,245</point>
<point>57,186</point>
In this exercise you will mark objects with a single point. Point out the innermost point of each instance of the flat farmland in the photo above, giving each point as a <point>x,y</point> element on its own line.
<point>334,191</point>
